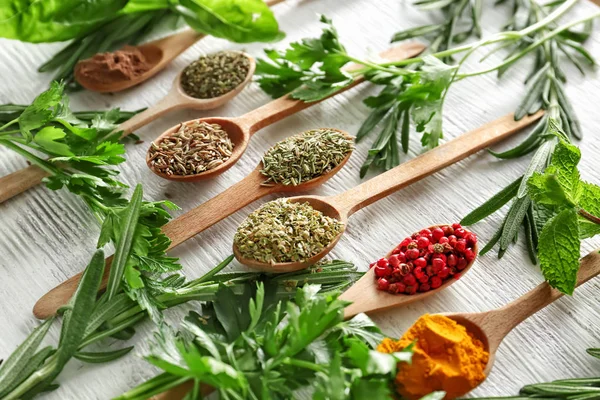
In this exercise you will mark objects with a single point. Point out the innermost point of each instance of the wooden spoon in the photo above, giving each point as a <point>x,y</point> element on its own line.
<point>158,53</point>
<point>175,99</point>
<point>239,128</point>
<point>343,205</point>
<point>491,327</point>
<point>191,223</point>
<point>366,298</point>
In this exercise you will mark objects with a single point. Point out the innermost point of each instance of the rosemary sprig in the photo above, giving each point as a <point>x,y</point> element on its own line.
<point>415,89</point>
<point>545,90</point>
<point>461,21</point>
<point>562,389</point>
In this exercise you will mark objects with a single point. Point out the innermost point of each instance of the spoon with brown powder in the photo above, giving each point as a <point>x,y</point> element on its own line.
<point>156,56</point>
<point>177,98</point>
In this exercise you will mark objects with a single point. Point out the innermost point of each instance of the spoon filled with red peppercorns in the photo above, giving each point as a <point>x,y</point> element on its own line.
<point>424,263</point>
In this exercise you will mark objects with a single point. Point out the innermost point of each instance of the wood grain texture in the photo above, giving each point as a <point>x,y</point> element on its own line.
<point>46,237</point>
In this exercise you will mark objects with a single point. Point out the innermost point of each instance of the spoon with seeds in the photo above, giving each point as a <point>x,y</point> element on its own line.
<point>491,327</point>
<point>241,129</point>
<point>175,99</point>
<point>256,185</point>
<point>343,205</point>
<point>158,53</point>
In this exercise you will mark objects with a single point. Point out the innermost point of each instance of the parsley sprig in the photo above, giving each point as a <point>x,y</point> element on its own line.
<point>82,148</point>
<point>89,319</point>
<point>258,347</point>
<point>415,89</point>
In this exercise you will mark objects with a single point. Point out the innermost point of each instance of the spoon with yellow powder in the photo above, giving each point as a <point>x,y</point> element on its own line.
<point>454,353</point>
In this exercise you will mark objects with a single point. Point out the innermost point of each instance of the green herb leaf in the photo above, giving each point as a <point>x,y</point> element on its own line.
<point>13,366</point>
<point>493,204</point>
<point>241,21</point>
<point>558,250</point>
<point>101,357</point>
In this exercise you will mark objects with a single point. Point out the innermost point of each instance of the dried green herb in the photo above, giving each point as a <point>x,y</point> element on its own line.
<point>282,231</point>
<point>305,156</point>
<point>214,75</point>
<point>195,148</point>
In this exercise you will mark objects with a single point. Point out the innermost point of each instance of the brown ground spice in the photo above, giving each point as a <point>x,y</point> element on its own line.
<point>121,65</point>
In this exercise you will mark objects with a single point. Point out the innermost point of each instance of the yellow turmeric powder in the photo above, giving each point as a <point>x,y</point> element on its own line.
<point>446,357</point>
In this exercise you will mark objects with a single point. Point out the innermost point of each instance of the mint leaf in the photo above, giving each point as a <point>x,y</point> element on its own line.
<point>565,159</point>
<point>546,188</point>
<point>589,198</point>
<point>558,250</point>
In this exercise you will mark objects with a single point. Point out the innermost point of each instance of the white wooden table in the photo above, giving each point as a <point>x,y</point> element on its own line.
<point>45,236</point>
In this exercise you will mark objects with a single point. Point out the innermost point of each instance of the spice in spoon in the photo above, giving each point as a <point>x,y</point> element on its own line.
<point>425,260</point>
<point>305,156</point>
<point>195,148</point>
<point>281,231</point>
<point>446,357</point>
<point>215,74</point>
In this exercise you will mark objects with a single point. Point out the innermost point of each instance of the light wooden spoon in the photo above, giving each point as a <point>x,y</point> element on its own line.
<point>240,129</point>
<point>366,298</point>
<point>159,53</point>
<point>175,99</point>
<point>188,225</point>
<point>345,204</point>
<point>491,327</point>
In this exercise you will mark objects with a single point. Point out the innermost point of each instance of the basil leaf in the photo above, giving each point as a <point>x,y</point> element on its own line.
<point>54,21</point>
<point>241,21</point>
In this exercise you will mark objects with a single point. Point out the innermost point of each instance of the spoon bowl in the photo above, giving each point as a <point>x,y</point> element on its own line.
<point>478,333</point>
<point>345,204</point>
<point>238,136</point>
<point>365,296</point>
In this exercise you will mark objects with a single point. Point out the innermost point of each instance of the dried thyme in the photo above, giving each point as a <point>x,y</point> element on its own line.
<point>281,231</point>
<point>214,75</point>
<point>195,148</point>
<point>305,156</point>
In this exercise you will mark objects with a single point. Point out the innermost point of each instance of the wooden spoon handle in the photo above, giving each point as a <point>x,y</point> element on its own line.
<point>178,230</point>
<point>285,106</point>
<point>20,181</point>
<point>168,103</point>
<point>501,321</point>
<point>24,179</point>
<point>426,164</point>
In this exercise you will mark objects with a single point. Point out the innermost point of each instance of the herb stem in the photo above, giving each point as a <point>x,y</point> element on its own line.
<point>531,47</point>
<point>588,216</point>
<point>9,124</point>
<point>31,157</point>
<point>304,364</point>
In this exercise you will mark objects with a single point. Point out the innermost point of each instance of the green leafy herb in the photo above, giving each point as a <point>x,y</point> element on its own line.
<point>259,347</point>
<point>107,25</point>
<point>313,69</point>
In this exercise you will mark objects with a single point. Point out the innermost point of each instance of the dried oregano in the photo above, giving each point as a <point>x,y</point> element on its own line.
<point>282,231</point>
<point>214,75</point>
<point>305,156</point>
<point>196,147</point>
